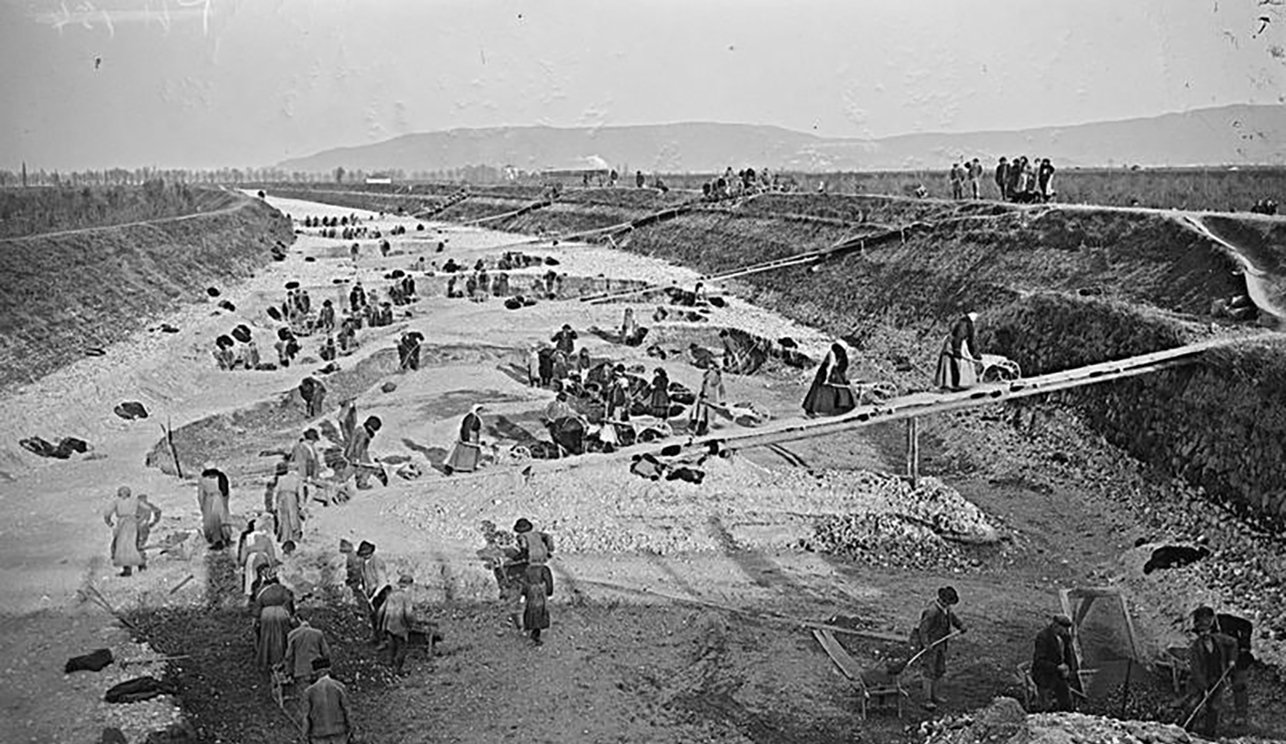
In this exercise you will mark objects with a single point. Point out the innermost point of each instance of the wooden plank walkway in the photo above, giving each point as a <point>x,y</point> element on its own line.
<point>896,409</point>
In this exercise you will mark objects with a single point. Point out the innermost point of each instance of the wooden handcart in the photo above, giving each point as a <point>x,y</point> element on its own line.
<point>876,688</point>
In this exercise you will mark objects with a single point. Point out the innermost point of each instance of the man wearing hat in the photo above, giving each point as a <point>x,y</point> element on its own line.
<point>326,316</point>
<point>327,717</point>
<point>534,550</point>
<point>305,453</point>
<point>1242,631</point>
<point>565,340</point>
<point>937,623</point>
<point>1053,663</point>
<point>1212,657</point>
<point>313,393</point>
<point>357,453</point>
<point>397,618</point>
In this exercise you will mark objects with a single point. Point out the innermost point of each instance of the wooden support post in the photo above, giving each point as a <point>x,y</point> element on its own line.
<point>913,451</point>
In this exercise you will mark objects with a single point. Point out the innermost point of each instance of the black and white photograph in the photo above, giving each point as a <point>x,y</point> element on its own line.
<point>642,371</point>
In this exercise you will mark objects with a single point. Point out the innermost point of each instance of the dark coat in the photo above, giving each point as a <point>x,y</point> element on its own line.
<point>470,427</point>
<point>1051,650</point>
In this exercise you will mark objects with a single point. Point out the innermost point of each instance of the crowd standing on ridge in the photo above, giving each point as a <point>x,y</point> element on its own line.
<point>1017,180</point>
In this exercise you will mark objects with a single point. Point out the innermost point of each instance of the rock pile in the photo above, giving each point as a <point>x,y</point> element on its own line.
<point>1005,722</point>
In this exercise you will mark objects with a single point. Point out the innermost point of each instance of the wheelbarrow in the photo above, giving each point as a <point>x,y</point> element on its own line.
<point>877,688</point>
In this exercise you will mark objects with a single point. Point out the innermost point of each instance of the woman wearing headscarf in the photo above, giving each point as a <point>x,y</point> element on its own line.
<point>274,612</point>
<point>290,496</point>
<point>468,448</point>
<point>259,551</point>
<point>830,392</point>
<point>124,512</point>
<point>659,395</point>
<point>212,493</point>
<point>959,360</point>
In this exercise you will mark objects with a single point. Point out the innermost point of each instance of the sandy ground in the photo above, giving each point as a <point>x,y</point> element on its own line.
<point>627,660</point>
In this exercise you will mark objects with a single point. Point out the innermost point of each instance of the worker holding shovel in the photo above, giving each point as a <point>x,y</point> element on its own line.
<point>937,624</point>
<point>1213,657</point>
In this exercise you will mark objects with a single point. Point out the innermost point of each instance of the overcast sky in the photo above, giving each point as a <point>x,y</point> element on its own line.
<point>207,83</point>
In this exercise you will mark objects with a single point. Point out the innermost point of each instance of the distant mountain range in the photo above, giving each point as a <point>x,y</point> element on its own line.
<point>1240,134</point>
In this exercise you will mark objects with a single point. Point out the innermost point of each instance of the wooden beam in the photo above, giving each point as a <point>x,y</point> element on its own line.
<point>916,405</point>
<point>913,451</point>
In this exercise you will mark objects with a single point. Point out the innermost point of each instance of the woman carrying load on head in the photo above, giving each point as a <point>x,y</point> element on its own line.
<point>468,448</point>
<point>959,361</point>
<point>831,392</point>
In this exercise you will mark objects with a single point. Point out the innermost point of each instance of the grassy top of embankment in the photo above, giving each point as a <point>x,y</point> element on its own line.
<point>64,293</point>
<point>32,211</point>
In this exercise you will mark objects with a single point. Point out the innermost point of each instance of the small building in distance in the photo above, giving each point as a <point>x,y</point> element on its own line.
<point>378,178</point>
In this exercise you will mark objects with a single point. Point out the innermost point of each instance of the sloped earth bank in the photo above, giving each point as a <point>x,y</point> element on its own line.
<point>678,607</point>
<point>68,294</point>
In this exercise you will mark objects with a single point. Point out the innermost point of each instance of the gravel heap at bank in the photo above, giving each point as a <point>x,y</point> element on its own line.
<point>1005,722</point>
<point>855,513</point>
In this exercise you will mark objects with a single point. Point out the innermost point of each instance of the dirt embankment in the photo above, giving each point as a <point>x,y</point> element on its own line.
<point>65,295</point>
<point>1122,282</point>
<point>32,211</point>
<point>1219,424</point>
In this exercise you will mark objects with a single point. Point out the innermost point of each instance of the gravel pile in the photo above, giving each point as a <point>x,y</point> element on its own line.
<point>605,509</point>
<point>1005,721</point>
<point>907,527</point>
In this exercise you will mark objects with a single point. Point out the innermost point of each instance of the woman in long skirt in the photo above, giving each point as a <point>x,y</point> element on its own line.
<point>468,448</point>
<point>831,392</point>
<point>124,510</point>
<point>289,502</point>
<point>537,586</point>
<point>274,603</point>
<point>959,359</point>
<point>659,395</point>
<point>212,493</point>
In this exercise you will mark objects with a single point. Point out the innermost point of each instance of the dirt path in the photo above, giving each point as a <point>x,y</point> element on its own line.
<point>625,660</point>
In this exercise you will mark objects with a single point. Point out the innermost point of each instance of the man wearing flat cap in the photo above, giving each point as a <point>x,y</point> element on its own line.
<point>937,623</point>
<point>1053,663</point>
<point>327,718</point>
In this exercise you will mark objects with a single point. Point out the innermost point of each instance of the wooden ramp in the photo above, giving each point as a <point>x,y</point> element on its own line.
<point>848,245</point>
<point>510,214</point>
<point>451,201</point>
<point>927,403</point>
<point>906,408</point>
